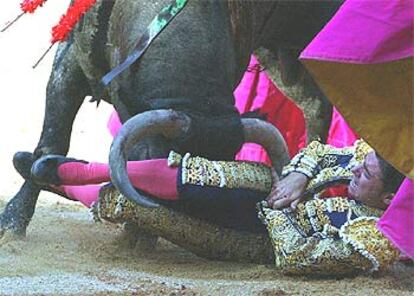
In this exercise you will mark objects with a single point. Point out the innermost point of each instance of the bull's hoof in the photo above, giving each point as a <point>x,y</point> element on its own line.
<point>19,211</point>
<point>14,220</point>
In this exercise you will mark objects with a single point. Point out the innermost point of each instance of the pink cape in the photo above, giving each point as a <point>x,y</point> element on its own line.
<point>365,32</point>
<point>340,134</point>
<point>397,223</point>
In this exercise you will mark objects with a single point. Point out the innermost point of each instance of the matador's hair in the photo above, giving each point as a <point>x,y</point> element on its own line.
<point>391,177</point>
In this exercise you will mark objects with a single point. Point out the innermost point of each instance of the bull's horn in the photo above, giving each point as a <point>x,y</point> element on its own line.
<point>267,135</point>
<point>167,123</point>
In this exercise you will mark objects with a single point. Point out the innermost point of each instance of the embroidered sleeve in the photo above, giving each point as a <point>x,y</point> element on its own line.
<point>317,157</point>
<point>200,171</point>
<point>306,161</point>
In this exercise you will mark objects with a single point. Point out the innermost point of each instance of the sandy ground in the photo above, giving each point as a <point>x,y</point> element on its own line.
<point>66,253</point>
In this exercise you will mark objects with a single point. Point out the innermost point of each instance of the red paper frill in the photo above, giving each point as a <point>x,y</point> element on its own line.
<point>68,21</point>
<point>29,6</point>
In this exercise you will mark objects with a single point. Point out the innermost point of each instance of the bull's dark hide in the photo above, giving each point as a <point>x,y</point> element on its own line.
<point>193,65</point>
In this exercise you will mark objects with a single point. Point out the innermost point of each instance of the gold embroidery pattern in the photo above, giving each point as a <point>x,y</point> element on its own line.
<point>361,150</point>
<point>281,231</point>
<point>302,218</point>
<point>229,174</point>
<point>315,209</point>
<point>174,159</point>
<point>367,240</point>
<point>114,207</point>
<point>329,160</point>
<point>363,211</point>
<point>328,174</point>
<point>328,250</point>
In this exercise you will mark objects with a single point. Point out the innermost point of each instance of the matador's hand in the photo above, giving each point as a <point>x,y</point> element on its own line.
<point>288,191</point>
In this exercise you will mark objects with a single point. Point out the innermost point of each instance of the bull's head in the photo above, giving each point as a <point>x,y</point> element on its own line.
<point>173,125</point>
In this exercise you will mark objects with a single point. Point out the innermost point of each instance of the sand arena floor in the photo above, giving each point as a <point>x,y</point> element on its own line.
<point>66,253</point>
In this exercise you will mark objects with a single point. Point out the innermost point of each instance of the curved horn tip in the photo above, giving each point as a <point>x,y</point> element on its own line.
<point>142,200</point>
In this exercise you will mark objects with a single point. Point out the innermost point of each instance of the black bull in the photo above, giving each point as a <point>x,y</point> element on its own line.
<point>193,66</point>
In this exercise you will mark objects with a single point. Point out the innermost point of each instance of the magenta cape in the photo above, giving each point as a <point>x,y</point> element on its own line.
<point>397,223</point>
<point>363,61</point>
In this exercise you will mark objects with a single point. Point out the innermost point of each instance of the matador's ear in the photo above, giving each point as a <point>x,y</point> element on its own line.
<point>387,198</point>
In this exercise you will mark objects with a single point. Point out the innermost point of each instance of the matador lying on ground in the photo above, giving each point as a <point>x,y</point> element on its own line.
<point>330,231</point>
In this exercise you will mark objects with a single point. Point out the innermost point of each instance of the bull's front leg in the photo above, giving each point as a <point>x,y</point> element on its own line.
<point>67,87</point>
<point>293,80</point>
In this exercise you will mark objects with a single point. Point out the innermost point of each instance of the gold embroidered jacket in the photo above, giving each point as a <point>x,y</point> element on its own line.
<point>327,236</point>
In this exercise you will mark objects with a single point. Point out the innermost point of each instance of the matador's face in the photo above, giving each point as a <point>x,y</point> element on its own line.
<point>367,183</point>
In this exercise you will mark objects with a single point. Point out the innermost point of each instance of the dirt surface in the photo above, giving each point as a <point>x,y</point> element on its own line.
<point>66,253</point>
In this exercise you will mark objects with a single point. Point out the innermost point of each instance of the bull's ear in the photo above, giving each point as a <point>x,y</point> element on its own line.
<point>289,66</point>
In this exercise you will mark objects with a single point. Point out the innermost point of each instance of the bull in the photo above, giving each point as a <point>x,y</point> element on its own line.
<point>192,67</point>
